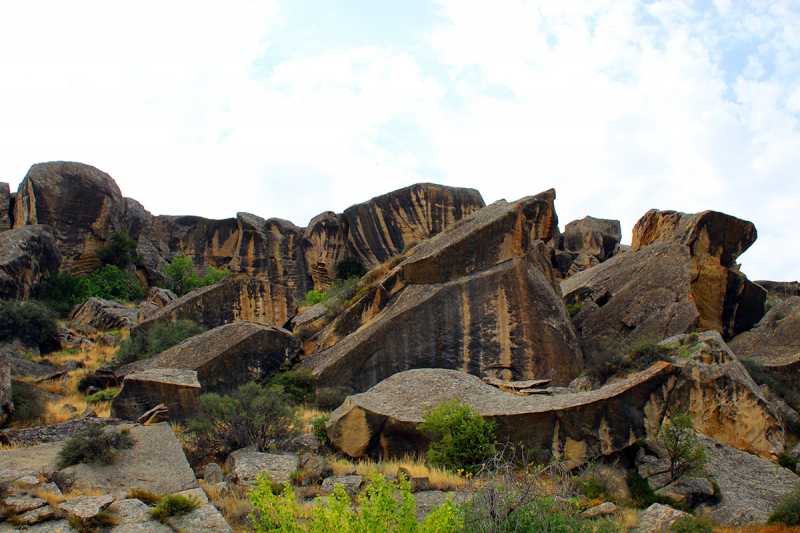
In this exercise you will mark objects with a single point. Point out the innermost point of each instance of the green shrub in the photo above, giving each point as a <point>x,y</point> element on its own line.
<point>329,398</point>
<point>349,267</point>
<point>605,358</point>
<point>102,396</point>
<point>95,446</point>
<point>643,496</point>
<point>173,505</point>
<point>157,339</point>
<point>296,381</point>
<point>145,496</point>
<point>573,309</point>
<point>320,430</point>
<point>465,439</point>
<point>593,487</point>
<point>377,511</point>
<point>692,524</point>
<point>30,324</point>
<point>28,405</point>
<point>788,510</point>
<point>686,453</point>
<point>95,524</point>
<point>180,277</point>
<point>62,292</point>
<point>313,298</point>
<point>253,414</point>
<point>112,283</point>
<point>120,252</point>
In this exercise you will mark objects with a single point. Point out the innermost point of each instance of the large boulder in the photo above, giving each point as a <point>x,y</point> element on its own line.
<point>104,315</point>
<point>82,205</point>
<point>775,341</point>
<point>504,322</point>
<point>141,391</point>
<point>255,299</point>
<point>780,289</point>
<point>586,243</point>
<point>635,296</point>
<point>383,422</point>
<point>225,357</point>
<point>722,398</point>
<point>726,300</point>
<point>380,228</point>
<point>6,206</point>
<point>28,256</point>
<point>324,244</point>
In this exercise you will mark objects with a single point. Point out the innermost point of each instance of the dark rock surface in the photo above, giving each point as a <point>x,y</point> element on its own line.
<point>207,242</point>
<point>775,341</point>
<point>5,207</point>
<point>141,391</point>
<point>780,289</point>
<point>324,244</point>
<point>160,297</point>
<point>6,405</point>
<point>586,243</point>
<point>105,315</point>
<point>28,256</point>
<point>635,296</point>
<point>382,422</point>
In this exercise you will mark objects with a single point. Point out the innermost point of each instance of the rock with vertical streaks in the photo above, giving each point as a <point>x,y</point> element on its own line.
<point>28,255</point>
<point>5,207</point>
<point>324,244</point>
<point>207,242</point>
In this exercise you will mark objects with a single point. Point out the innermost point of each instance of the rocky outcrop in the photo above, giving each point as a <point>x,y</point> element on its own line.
<point>6,207</point>
<point>224,358</point>
<point>160,297</point>
<point>254,299</point>
<point>780,289</point>
<point>381,228</point>
<point>722,398</point>
<point>324,244</point>
<point>207,242</point>
<point>80,203</point>
<point>6,405</point>
<point>726,300</point>
<point>141,391</point>
<point>658,518</point>
<point>775,341</point>
<point>104,315</point>
<point>383,422</point>
<point>27,256</point>
<point>584,244</point>
<point>635,296</point>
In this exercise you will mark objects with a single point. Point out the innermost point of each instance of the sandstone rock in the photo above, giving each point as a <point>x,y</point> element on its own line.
<point>27,256</point>
<point>177,389</point>
<point>23,502</point>
<point>37,515</point>
<point>51,433</point>
<point>506,322</point>
<point>104,315</point>
<point>380,228</point>
<point>324,244</point>
<point>108,341</point>
<point>157,414</point>
<point>83,205</point>
<point>129,511</point>
<point>244,298</point>
<point>212,474</point>
<point>351,484</point>
<point>207,242</point>
<point>780,289</point>
<point>247,466</point>
<point>775,341</point>
<point>86,507</point>
<point>721,396</point>
<point>160,297</point>
<point>6,405</point>
<point>382,422</point>
<point>314,469</point>
<point>688,490</point>
<point>750,487</point>
<point>5,207</point>
<point>658,519</point>
<point>53,526</point>
<point>604,509</point>
<point>226,356</point>
<point>586,243</point>
<point>205,519</point>
<point>635,296</point>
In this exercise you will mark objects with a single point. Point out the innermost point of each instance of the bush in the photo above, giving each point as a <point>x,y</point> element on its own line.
<point>173,505</point>
<point>30,324</point>
<point>313,298</point>
<point>320,430</point>
<point>338,296</point>
<point>678,437</point>
<point>28,405</point>
<point>95,446</point>
<point>593,488</point>
<point>253,414</point>
<point>605,358</point>
<point>296,381</point>
<point>692,524</point>
<point>788,510</point>
<point>95,524</point>
<point>349,267</point>
<point>643,496</point>
<point>111,283</point>
<point>466,440</point>
<point>62,292</point>
<point>378,511</point>
<point>573,309</point>
<point>121,252</point>
<point>180,277</point>
<point>157,339</point>
<point>102,396</point>
<point>329,398</point>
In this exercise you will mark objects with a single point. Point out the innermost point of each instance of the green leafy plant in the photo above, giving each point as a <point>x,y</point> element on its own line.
<point>313,298</point>
<point>173,505</point>
<point>787,512</point>
<point>465,439</point>
<point>593,487</point>
<point>643,496</point>
<point>686,453</point>
<point>157,339</point>
<point>30,324</point>
<point>120,252</point>
<point>28,404</point>
<point>180,277</point>
<point>692,524</point>
<point>573,309</point>
<point>102,396</point>
<point>296,381</point>
<point>95,446</point>
<point>349,267</point>
<point>318,424</point>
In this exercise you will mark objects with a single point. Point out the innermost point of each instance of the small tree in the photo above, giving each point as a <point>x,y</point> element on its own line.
<point>349,267</point>
<point>120,252</point>
<point>678,437</point>
<point>181,278</point>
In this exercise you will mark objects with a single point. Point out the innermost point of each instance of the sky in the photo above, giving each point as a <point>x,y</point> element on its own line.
<point>288,109</point>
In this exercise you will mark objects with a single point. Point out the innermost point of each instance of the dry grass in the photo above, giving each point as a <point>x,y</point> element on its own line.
<point>439,479</point>
<point>307,413</point>
<point>776,528</point>
<point>234,505</point>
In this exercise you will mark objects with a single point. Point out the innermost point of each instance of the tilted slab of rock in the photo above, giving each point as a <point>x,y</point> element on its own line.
<point>254,299</point>
<point>104,315</point>
<point>380,228</point>
<point>178,389</point>
<point>722,398</point>
<point>383,421</point>
<point>506,322</point>
<point>27,256</point>
<point>491,236</point>
<point>586,243</point>
<point>82,204</point>
<point>225,357</point>
<point>160,297</point>
<point>324,244</point>
<point>634,296</point>
<point>775,341</point>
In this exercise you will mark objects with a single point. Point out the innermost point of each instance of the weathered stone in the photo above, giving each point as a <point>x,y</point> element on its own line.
<point>207,242</point>
<point>108,341</point>
<point>27,257</point>
<point>658,519</point>
<point>351,484</point>
<point>226,356</point>
<point>177,389</point>
<point>205,519</point>
<point>380,228</point>
<point>86,507</point>
<point>198,495</point>
<point>314,468</point>
<point>37,515</point>
<point>780,289</point>
<point>249,465</point>
<point>212,474</point>
<point>750,487</point>
<point>253,299</point>
<point>586,243</point>
<point>382,422</point>
<point>721,397</point>
<point>324,244</point>
<point>156,415</point>
<point>150,526</point>
<point>604,509</point>
<point>23,502</point>
<point>104,315</point>
<point>6,404</point>
<point>129,511</point>
<point>505,322</point>
<point>688,490</point>
<point>520,387</point>
<point>775,341</point>
<point>83,205</point>
<point>53,526</point>
<point>635,296</point>
<point>51,433</point>
<point>5,207</point>
<point>160,297</point>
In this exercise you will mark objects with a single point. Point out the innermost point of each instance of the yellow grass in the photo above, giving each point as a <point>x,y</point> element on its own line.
<point>307,413</point>
<point>440,479</point>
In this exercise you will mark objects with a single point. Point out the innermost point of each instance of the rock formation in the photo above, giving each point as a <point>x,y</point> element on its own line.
<point>28,255</point>
<point>324,244</point>
<point>584,244</point>
<point>775,341</point>
<point>141,391</point>
<point>382,422</point>
<point>780,289</point>
<point>5,207</point>
<point>104,315</point>
<point>6,405</point>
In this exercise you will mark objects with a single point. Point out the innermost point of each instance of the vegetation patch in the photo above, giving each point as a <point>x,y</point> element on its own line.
<point>606,358</point>
<point>102,396</point>
<point>29,323</point>
<point>157,339</point>
<point>678,437</point>
<point>296,381</point>
<point>62,292</point>
<point>95,524</point>
<point>173,505</point>
<point>788,510</point>
<point>95,446</point>
<point>573,309</point>
<point>28,404</point>
<point>692,524</point>
<point>349,267</point>
<point>181,278</point>
<point>319,429</point>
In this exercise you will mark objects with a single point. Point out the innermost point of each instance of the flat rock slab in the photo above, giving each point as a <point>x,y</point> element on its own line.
<point>249,465</point>
<point>129,511</point>
<point>350,484</point>
<point>53,432</point>
<point>105,315</point>
<point>23,502</point>
<point>86,506</point>
<point>604,509</point>
<point>56,526</point>
<point>143,390</point>
<point>35,458</point>
<point>383,421</point>
<point>658,519</point>
<point>205,519</point>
